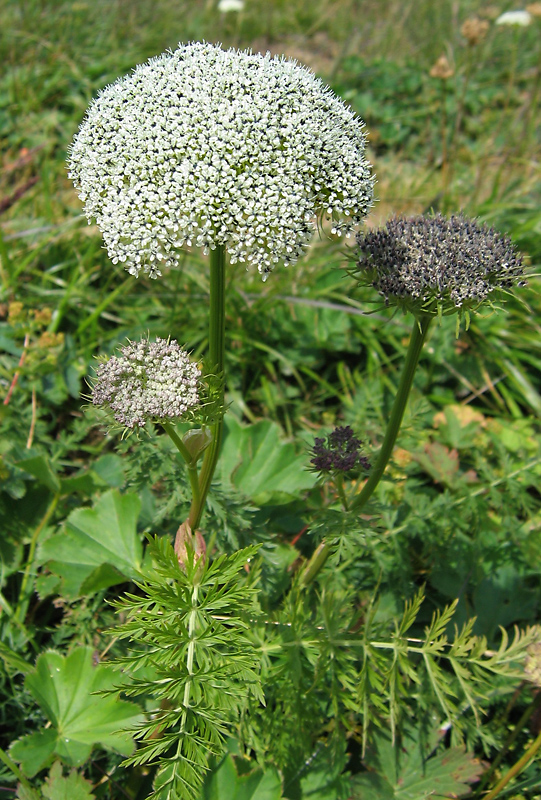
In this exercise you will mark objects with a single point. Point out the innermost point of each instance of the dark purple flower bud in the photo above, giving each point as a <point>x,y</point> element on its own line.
<point>339,452</point>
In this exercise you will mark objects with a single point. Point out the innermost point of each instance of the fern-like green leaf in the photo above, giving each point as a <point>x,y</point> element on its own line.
<point>194,657</point>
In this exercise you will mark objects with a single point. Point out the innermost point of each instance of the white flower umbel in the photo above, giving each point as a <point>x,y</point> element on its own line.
<point>225,6</point>
<point>147,380</point>
<point>210,148</point>
<point>522,18</point>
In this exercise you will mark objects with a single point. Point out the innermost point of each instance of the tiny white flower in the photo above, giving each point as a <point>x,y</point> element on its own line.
<point>207,147</point>
<point>514,18</point>
<point>230,5</point>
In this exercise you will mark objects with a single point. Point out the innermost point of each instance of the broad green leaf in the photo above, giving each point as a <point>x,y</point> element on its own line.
<point>27,793</point>
<point>64,687</point>
<point>401,771</point>
<point>71,787</point>
<point>501,599</point>
<point>224,783</point>
<point>34,750</point>
<point>85,484</point>
<point>40,467</point>
<point>323,778</point>
<point>110,468</point>
<point>257,461</point>
<point>98,547</point>
<point>260,786</point>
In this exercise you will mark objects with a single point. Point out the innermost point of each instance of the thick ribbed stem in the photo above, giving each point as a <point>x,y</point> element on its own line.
<point>216,360</point>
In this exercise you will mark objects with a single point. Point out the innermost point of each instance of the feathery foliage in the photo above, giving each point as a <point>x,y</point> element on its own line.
<point>192,654</point>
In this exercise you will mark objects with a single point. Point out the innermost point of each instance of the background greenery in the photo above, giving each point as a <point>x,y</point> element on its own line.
<point>460,509</point>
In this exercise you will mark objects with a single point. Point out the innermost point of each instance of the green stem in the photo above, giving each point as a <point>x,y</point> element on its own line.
<point>14,768</point>
<point>320,556</point>
<point>191,646</point>
<point>5,606</point>
<point>339,482</point>
<point>186,455</point>
<point>515,769</point>
<point>189,667</point>
<point>509,743</point>
<point>216,359</point>
<point>24,594</point>
<point>417,340</point>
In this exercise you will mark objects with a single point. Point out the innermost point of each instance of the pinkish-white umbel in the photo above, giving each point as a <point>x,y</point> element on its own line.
<point>147,380</point>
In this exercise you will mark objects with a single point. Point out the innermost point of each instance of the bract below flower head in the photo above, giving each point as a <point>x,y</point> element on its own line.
<point>147,381</point>
<point>437,265</point>
<point>208,147</point>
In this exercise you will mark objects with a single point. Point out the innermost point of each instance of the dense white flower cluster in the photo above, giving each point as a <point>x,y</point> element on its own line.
<point>208,147</point>
<point>148,380</point>
<point>225,6</point>
<point>522,18</point>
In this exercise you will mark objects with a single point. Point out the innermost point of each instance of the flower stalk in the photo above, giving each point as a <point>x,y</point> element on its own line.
<point>418,337</point>
<point>191,464</point>
<point>216,358</point>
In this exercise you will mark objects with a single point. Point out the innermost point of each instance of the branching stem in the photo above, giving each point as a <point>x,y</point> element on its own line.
<point>418,337</point>
<point>200,482</point>
<point>190,463</point>
<point>339,482</point>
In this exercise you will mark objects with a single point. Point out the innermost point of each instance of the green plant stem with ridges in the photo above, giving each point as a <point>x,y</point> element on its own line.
<point>15,769</point>
<point>188,458</point>
<point>216,359</point>
<point>516,769</point>
<point>339,482</point>
<point>417,340</point>
<point>25,593</point>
